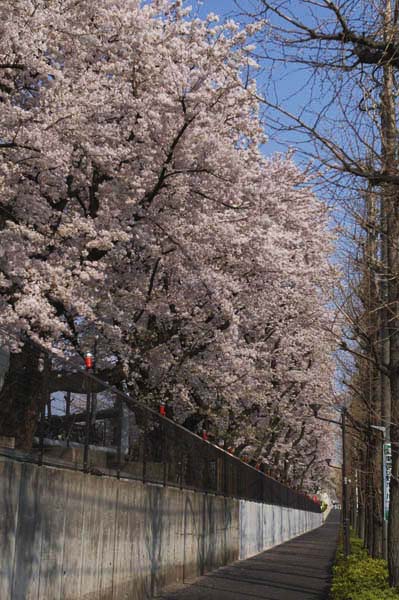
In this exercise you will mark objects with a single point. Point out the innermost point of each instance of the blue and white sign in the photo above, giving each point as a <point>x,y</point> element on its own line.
<point>387,476</point>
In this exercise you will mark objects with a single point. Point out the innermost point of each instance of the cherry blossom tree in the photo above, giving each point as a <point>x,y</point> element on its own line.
<point>137,208</point>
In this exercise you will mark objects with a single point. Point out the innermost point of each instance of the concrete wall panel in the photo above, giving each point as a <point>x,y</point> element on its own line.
<point>193,532</point>
<point>72,554</point>
<point>28,535</point>
<point>53,511</point>
<point>124,565</point>
<point>10,479</point>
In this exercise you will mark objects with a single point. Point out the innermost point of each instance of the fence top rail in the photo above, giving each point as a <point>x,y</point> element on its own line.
<point>128,399</point>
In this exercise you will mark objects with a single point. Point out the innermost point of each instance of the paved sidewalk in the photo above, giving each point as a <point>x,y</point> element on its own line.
<point>297,570</point>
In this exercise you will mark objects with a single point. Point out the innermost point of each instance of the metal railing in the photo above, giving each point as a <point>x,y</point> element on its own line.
<point>101,430</point>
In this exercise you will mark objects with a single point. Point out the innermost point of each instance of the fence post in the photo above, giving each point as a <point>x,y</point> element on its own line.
<point>225,474</point>
<point>119,438</point>
<point>164,438</point>
<point>180,464</point>
<point>145,448</point>
<point>87,428</point>
<point>44,370</point>
<point>41,434</point>
<point>68,415</point>
<point>204,481</point>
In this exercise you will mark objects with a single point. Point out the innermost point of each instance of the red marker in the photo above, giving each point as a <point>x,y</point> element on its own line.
<point>89,360</point>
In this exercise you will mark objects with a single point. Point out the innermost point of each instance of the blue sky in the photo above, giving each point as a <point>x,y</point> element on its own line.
<point>220,7</point>
<point>287,85</point>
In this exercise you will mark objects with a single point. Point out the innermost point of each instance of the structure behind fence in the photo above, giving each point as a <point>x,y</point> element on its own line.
<point>95,427</point>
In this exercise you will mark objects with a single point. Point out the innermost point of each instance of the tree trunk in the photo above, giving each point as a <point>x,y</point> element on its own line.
<point>361,522</point>
<point>377,549</point>
<point>374,392</point>
<point>369,539</point>
<point>391,217</point>
<point>384,357</point>
<point>393,523</point>
<point>22,396</point>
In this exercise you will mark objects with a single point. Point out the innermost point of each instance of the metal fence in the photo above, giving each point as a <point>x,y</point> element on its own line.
<point>101,430</point>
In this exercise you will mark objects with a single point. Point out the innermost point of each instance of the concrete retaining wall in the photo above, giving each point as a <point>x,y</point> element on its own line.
<point>263,526</point>
<point>65,535</point>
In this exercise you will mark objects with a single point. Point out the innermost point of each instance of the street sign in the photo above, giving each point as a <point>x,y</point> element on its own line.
<point>387,476</point>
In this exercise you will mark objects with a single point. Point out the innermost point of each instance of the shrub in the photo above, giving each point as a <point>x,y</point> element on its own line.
<point>361,577</point>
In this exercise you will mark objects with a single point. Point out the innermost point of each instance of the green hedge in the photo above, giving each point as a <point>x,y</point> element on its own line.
<point>360,577</point>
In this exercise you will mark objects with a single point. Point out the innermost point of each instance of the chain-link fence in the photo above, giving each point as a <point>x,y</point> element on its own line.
<point>95,427</point>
